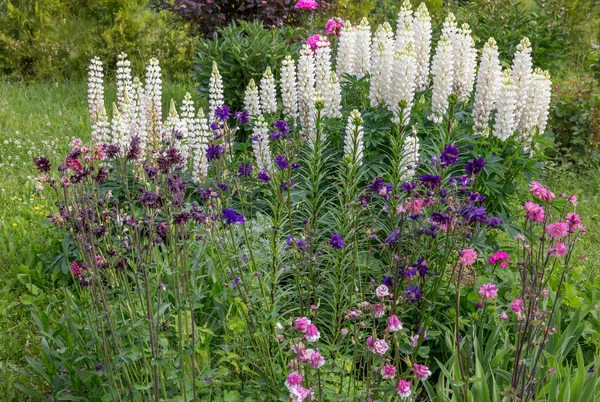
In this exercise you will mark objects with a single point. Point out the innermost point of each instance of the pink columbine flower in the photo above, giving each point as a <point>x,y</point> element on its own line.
<point>488,291</point>
<point>545,293</point>
<point>534,212</point>
<point>415,206</point>
<point>503,316</point>
<point>517,305</point>
<point>394,324</point>
<point>294,379</point>
<point>540,191</point>
<point>388,371</point>
<point>382,291</point>
<point>558,229</point>
<point>421,371</point>
<point>317,41</point>
<point>306,5</point>
<point>552,371</point>
<point>380,346</point>
<point>369,342</point>
<point>378,310</point>
<point>573,200</point>
<point>302,324</point>
<point>344,331</point>
<point>76,270</point>
<point>559,250</point>
<point>317,360</point>
<point>312,333</point>
<point>501,256</point>
<point>468,257</point>
<point>403,389</point>
<point>479,305</point>
<point>574,221</point>
<point>334,26</point>
<point>299,394</point>
<point>76,144</point>
<point>305,355</point>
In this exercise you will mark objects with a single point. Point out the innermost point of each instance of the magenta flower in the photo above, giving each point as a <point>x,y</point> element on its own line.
<point>294,379</point>
<point>302,324</point>
<point>369,342</point>
<point>306,5</point>
<point>468,257</point>
<point>559,250</point>
<point>488,291</point>
<point>316,41</point>
<point>334,26</point>
<point>388,371</point>
<point>517,305</point>
<point>299,394</point>
<point>394,324</point>
<point>534,212</point>
<point>540,191</point>
<point>312,333</point>
<point>501,256</point>
<point>503,315</point>
<point>403,389</point>
<point>558,229</point>
<point>317,360</point>
<point>421,371</point>
<point>380,346</point>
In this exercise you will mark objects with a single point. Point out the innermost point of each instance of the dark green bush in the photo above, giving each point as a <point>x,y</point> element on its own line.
<point>55,39</point>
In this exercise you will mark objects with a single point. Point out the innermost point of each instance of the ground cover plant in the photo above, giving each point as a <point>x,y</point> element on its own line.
<point>344,236</point>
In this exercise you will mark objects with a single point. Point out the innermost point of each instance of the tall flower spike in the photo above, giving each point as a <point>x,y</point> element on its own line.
<point>353,142</point>
<point>199,142</point>
<point>124,83</point>
<point>268,92</point>
<point>215,91</point>
<point>121,135</point>
<point>345,63</point>
<point>404,16</point>
<point>289,88</point>
<point>543,96</point>
<point>252,99</point>
<point>465,63</point>
<point>173,122</point>
<point>521,74</point>
<point>442,69</point>
<point>504,125</point>
<point>137,112</point>
<point>402,91</point>
<point>381,64</point>
<point>101,128</point>
<point>535,114</point>
<point>260,145</point>
<point>306,89</point>
<point>153,100</point>
<point>488,85</point>
<point>333,99</point>
<point>325,81</point>
<point>362,61</point>
<point>410,158</point>
<point>187,122</point>
<point>422,33</point>
<point>95,88</point>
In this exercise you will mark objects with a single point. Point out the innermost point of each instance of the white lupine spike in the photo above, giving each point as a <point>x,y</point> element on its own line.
<point>403,84</point>
<point>187,121</point>
<point>405,16</point>
<point>410,158</point>
<point>95,89</point>
<point>153,100</point>
<point>422,34</point>
<point>346,51</point>
<point>268,92</point>
<point>260,145</point>
<point>521,75</point>
<point>252,99</point>
<point>333,98</point>
<point>120,128</point>
<point>325,80</point>
<point>488,88</point>
<point>215,91</point>
<point>101,128</point>
<point>289,88</point>
<point>465,63</point>
<point>353,141</point>
<point>173,122</point>
<point>450,28</point>
<point>535,114</point>
<point>306,89</point>
<point>381,64</point>
<point>124,82</point>
<point>199,135</point>
<point>137,113</point>
<point>362,55</point>
<point>543,97</point>
<point>504,125</point>
<point>442,69</point>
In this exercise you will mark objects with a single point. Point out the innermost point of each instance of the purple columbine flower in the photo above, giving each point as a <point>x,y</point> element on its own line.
<point>151,172</point>
<point>296,165</point>
<point>281,162</point>
<point>243,116</point>
<point>282,127</point>
<point>430,181</point>
<point>263,176</point>
<point>449,155</point>
<point>388,281</point>
<point>111,151</point>
<point>275,135</point>
<point>150,199</point>
<point>43,164</point>
<point>302,245</point>
<point>176,185</point>
<point>245,170</point>
<point>409,186</point>
<point>441,218</point>
<point>134,151</point>
<point>377,185</point>
<point>412,294</point>
<point>223,112</point>
<point>474,214</point>
<point>493,222</point>
<point>231,217</point>
<point>475,166</point>
<point>421,267</point>
<point>337,241</point>
<point>214,152</point>
<point>393,237</point>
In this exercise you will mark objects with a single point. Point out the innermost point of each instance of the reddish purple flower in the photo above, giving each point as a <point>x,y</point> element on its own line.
<point>421,371</point>
<point>306,5</point>
<point>488,291</point>
<point>42,163</point>
<point>403,389</point>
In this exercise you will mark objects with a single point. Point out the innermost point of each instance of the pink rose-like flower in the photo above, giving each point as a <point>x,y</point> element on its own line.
<point>541,192</point>
<point>501,256</point>
<point>558,229</point>
<point>299,394</point>
<point>388,371</point>
<point>382,291</point>
<point>305,355</point>
<point>573,200</point>
<point>534,212</point>
<point>369,342</point>
<point>316,41</point>
<point>503,316</point>
<point>488,291</point>
<point>312,333</point>
<point>334,25</point>
<point>306,5</point>
<point>317,360</point>
<point>302,324</point>
<point>517,305</point>
<point>468,257</point>
<point>378,310</point>
<point>559,250</point>
<point>394,324</point>
<point>403,389</point>
<point>294,379</point>
<point>76,144</point>
<point>415,206</point>
<point>421,371</point>
<point>380,347</point>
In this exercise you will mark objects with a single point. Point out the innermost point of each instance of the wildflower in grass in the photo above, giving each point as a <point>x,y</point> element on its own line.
<point>362,56</point>
<point>449,155</point>
<point>380,346</point>
<point>306,5</point>
<point>503,316</point>
<point>388,371</point>
<point>488,86</point>
<point>500,256</point>
<point>468,257</point>
<point>312,333</point>
<point>382,291</point>
<point>268,92</point>
<point>559,250</point>
<point>382,59</point>
<point>534,212</point>
<point>517,305</point>
<point>541,192</point>
<point>252,99</point>
<point>422,35</point>
<point>294,379</point>
<point>488,291</point>
<point>558,229</point>
<point>42,163</point>
<point>475,166</point>
<point>337,241</point>
<point>231,217</point>
<point>442,70</point>
<point>403,389</point>
<point>334,26</point>
<point>421,371</point>
<point>394,324</point>
<point>572,199</point>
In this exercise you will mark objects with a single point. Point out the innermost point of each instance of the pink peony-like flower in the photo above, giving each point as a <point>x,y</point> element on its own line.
<point>501,256</point>
<point>299,394</point>
<point>382,291</point>
<point>317,360</point>
<point>517,305</point>
<point>574,221</point>
<point>316,41</point>
<point>534,212</point>
<point>403,389</point>
<point>421,371</point>
<point>573,200</point>
<point>558,229</point>
<point>305,355</point>
<point>488,291</point>
<point>312,333</point>
<point>388,371</point>
<point>369,342</point>
<point>380,346</point>
<point>76,144</point>
<point>344,331</point>
<point>415,206</point>
<point>540,191</point>
<point>334,26</point>
<point>294,379</point>
<point>394,324</point>
<point>559,250</point>
<point>76,270</point>
<point>302,324</point>
<point>468,257</point>
<point>503,316</point>
<point>306,5</point>
<point>378,310</point>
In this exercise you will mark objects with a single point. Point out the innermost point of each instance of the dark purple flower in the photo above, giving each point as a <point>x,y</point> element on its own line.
<point>302,245</point>
<point>231,217</point>
<point>223,112</point>
<point>214,152</point>
<point>256,137</point>
<point>235,282</point>
<point>243,116</point>
<point>493,222</point>
<point>101,176</point>
<point>150,199</point>
<point>42,163</point>
<point>408,186</point>
<point>449,155</point>
<point>287,185</point>
<point>245,170</point>
<point>176,185</point>
<point>377,185</point>
<point>387,281</point>
<point>421,267</point>
<point>99,367</point>
<point>282,162</point>
<point>430,181</point>
<point>112,151</point>
<point>412,294</point>
<point>474,214</point>
<point>222,186</point>
<point>151,172</point>
<point>476,197</point>
<point>275,135</point>
<point>282,127</point>
<point>441,218</point>
<point>475,166</point>
<point>432,230</point>
<point>134,151</point>
<point>337,241</point>
<point>181,218</point>
<point>393,237</point>
<point>264,176</point>
<point>214,126</point>
<point>296,165</point>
